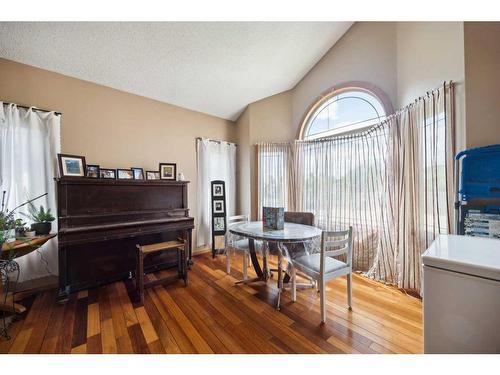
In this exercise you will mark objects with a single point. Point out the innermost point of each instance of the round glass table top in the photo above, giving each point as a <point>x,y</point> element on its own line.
<point>291,232</point>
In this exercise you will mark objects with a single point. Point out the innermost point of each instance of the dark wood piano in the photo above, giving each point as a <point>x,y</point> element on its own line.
<point>102,220</point>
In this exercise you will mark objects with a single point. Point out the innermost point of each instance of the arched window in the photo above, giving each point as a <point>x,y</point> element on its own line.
<point>343,111</point>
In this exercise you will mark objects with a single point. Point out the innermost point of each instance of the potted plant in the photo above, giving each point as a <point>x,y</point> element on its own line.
<point>42,219</point>
<point>21,228</point>
<point>7,227</point>
<point>7,222</point>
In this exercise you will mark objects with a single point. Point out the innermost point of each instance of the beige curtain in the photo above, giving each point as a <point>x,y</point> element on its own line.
<point>275,166</point>
<point>393,183</point>
<point>419,185</point>
<point>339,180</point>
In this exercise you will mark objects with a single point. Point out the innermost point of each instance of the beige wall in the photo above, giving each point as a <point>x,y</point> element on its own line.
<point>113,128</point>
<point>267,120</point>
<point>482,86</point>
<point>243,194</point>
<point>367,52</point>
<point>429,53</point>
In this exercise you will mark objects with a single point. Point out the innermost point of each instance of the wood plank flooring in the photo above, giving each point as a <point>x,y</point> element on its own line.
<point>212,315</point>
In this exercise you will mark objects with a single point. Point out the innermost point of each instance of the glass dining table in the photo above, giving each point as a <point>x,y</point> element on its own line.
<point>292,241</point>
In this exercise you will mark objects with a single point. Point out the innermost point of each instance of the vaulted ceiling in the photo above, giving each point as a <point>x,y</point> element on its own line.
<point>212,67</point>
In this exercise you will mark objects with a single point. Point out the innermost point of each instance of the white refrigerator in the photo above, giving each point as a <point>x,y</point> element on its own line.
<point>461,295</point>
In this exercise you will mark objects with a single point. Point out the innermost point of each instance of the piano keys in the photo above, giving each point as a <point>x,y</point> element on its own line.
<point>102,220</point>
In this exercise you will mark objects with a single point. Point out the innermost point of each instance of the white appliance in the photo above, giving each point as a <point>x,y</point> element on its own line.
<point>461,284</point>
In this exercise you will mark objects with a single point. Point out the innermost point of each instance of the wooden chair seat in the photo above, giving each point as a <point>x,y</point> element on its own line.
<point>180,245</point>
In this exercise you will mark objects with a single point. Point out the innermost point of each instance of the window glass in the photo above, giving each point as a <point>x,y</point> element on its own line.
<point>344,112</point>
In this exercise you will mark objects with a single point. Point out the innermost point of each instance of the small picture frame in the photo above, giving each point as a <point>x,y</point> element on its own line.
<point>138,173</point>
<point>93,171</point>
<point>219,224</point>
<point>152,175</point>
<point>218,190</point>
<point>218,207</point>
<point>107,173</point>
<point>168,171</point>
<point>71,165</point>
<point>125,174</point>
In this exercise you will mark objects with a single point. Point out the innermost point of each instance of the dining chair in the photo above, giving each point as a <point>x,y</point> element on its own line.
<point>239,245</point>
<point>305,218</point>
<point>323,267</point>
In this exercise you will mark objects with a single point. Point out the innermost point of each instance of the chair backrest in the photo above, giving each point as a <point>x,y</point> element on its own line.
<point>237,219</point>
<point>335,243</point>
<point>306,218</point>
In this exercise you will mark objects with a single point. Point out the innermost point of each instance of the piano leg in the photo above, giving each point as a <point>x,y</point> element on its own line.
<point>190,248</point>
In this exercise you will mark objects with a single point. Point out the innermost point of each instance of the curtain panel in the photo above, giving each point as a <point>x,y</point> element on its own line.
<point>419,185</point>
<point>216,160</point>
<point>29,144</point>
<point>393,183</point>
<point>275,188</point>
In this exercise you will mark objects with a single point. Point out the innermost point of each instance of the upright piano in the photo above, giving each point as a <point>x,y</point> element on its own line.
<point>102,220</point>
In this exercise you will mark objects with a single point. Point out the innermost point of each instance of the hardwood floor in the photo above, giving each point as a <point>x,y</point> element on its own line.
<point>212,315</point>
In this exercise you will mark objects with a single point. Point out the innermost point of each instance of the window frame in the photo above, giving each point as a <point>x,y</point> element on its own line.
<point>366,87</point>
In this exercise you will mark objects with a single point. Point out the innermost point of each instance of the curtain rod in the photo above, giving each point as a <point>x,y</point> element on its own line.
<point>33,108</point>
<point>216,141</point>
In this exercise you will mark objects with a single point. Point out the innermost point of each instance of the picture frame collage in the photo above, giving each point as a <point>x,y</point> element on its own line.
<point>74,166</point>
<point>219,222</point>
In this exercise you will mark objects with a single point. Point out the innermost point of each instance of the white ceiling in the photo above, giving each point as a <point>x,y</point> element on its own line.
<point>212,67</point>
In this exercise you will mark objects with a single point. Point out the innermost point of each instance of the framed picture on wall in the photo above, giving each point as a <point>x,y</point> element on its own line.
<point>138,173</point>
<point>152,175</point>
<point>107,173</point>
<point>218,206</point>
<point>220,224</point>
<point>92,171</point>
<point>71,165</point>
<point>168,171</point>
<point>218,190</point>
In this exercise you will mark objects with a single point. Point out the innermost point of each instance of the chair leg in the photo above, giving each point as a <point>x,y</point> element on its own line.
<point>228,263</point>
<point>280,281</point>
<point>323,300</point>
<point>245,266</point>
<point>349,291</point>
<point>294,284</point>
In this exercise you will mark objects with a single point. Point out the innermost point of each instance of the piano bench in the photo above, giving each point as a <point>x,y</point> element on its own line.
<point>180,245</point>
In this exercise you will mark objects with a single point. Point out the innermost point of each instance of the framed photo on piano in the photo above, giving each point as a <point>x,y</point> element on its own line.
<point>152,175</point>
<point>93,171</point>
<point>168,171</point>
<point>71,165</point>
<point>107,173</point>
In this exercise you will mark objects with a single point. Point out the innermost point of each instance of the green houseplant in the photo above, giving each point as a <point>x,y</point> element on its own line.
<point>42,219</point>
<point>8,224</point>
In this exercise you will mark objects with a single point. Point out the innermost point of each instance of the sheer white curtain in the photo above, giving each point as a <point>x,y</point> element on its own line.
<point>393,183</point>
<point>275,164</point>
<point>419,183</point>
<point>340,180</point>
<point>216,160</point>
<point>29,144</point>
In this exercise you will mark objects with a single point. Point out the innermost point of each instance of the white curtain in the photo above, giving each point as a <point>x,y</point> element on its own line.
<point>393,183</point>
<point>419,183</point>
<point>274,164</point>
<point>29,144</point>
<point>339,180</point>
<point>216,160</point>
